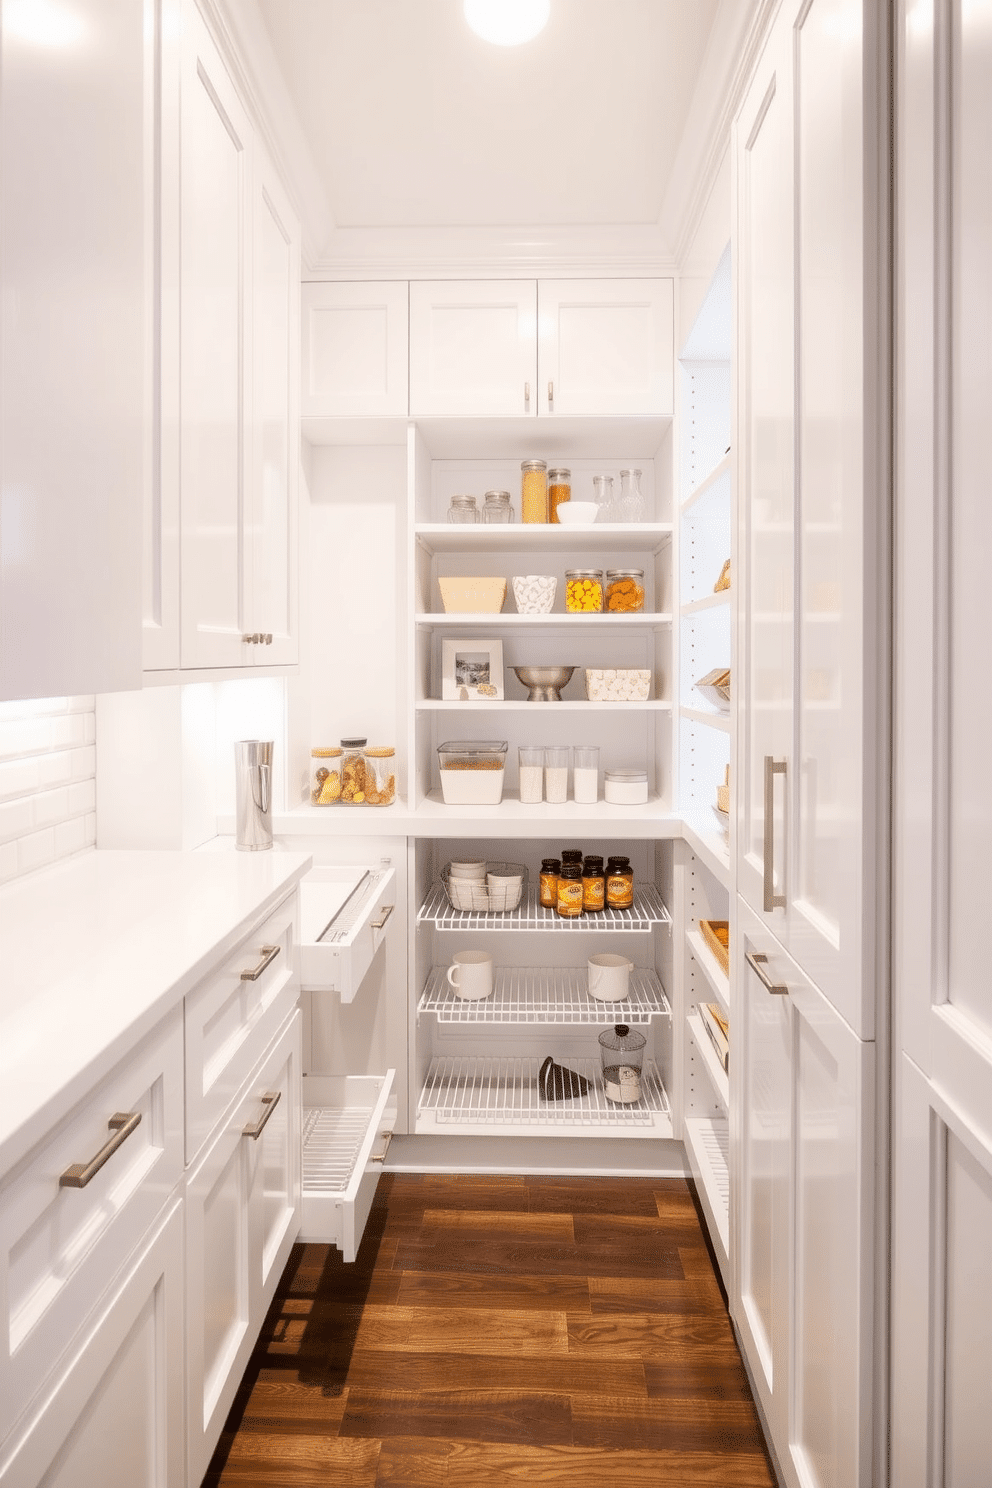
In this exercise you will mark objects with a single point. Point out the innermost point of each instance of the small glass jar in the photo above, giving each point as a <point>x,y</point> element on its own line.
<point>353,771</point>
<point>602,492</point>
<point>621,1051</point>
<point>463,509</point>
<point>624,590</point>
<point>550,869</point>
<point>583,591</point>
<point>625,787</point>
<point>631,501</point>
<point>572,855</point>
<point>325,776</point>
<point>497,508</point>
<point>619,884</point>
<point>534,491</point>
<point>593,885</point>
<point>380,775</point>
<point>569,904</point>
<point>559,490</point>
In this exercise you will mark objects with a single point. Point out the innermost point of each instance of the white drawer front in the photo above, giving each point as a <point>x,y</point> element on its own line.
<point>339,961</point>
<point>233,1016</point>
<point>60,1246</point>
<point>347,1123</point>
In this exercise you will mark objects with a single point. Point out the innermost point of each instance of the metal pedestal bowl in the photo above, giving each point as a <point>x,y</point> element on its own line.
<point>544,682</point>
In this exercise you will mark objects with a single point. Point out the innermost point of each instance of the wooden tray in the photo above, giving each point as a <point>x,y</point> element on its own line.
<point>716,934</point>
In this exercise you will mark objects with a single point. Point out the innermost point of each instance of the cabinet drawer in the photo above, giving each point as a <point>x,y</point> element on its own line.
<point>347,1123</point>
<point>61,1246</point>
<point>232,1017</point>
<point>345,917</point>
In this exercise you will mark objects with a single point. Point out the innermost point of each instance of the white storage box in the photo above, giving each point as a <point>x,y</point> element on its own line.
<point>609,685</point>
<point>472,771</point>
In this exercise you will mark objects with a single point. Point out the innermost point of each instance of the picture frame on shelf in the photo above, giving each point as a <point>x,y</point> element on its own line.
<point>471,670</point>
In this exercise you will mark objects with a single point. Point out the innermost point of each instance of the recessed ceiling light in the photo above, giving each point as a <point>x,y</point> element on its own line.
<point>507,22</point>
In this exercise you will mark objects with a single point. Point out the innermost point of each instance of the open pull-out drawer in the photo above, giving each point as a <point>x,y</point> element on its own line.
<point>344,914</point>
<point>347,1123</point>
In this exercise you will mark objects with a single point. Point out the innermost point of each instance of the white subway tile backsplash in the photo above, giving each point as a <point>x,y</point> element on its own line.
<point>47,782</point>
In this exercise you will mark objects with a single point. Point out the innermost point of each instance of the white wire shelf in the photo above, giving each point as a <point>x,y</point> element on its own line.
<point>332,1140</point>
<point>648,910</point>
<point>708,1145</point>
<point>504,1092</point>
<point>544,994</point>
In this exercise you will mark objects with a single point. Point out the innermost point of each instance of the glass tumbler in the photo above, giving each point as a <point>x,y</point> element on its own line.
<point>556,774</point>
<point>531,773</point>
<point>585,774</point>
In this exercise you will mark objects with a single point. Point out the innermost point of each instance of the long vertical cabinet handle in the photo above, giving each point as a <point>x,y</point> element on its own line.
<point>772,900</point>
<point>526,397</point>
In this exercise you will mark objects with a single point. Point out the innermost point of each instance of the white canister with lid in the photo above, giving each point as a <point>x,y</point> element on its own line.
<point>625,787</point>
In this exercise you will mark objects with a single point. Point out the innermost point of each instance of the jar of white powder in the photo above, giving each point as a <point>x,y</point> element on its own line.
<point>531,773</point>
<point>556,774</point>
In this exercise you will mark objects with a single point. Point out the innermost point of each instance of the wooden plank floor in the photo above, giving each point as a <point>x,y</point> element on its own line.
<point>496,1332</point>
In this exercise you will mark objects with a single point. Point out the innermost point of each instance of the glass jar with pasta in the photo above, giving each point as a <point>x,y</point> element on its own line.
<point>534,491</point>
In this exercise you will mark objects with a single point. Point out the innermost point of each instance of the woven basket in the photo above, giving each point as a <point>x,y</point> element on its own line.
<point>716,934</point>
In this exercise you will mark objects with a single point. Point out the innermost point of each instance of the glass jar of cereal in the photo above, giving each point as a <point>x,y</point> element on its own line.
<point>380,775</point>
<point>353,772</point>
<point>583,590</point>
<point>325,776</point>
<point>624,590</point>
<point>534,491</point>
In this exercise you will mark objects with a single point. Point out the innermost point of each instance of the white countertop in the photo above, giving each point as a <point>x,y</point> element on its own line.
<point>95,950</point>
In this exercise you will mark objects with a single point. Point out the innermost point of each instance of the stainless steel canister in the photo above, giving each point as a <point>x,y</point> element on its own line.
<point>253,791</point>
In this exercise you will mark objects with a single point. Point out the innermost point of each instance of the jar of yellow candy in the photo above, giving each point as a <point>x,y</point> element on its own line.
<point>583,591</point>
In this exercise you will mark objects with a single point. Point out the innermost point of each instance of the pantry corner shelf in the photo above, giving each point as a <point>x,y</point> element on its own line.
<point>708,483</point>
<point>648,910</point>
<point>532,537</point>
<point>525,995</point>
<point>710,967</point>
<point>707,1054</point>
<point>708,602</point>
<point>712,720</point>
<point>474,620</point>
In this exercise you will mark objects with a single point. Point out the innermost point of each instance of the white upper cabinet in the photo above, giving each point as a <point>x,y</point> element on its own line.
<point>355,349</point>
<point>605,346</point>
<point>473,348</point>
<point>75,366</point>
<point>239,270</point>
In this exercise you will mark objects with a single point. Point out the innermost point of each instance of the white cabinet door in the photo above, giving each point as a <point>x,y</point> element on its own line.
<point>805,1118</point>
<point>117,1414</point>
<point>606,346</point>
<point>473,348</point>
<point>355,349</point>
<point>217,168</point>
<point>272,536</point>
<point>74,366</point>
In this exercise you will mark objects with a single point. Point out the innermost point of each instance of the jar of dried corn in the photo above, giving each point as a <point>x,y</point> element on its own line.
<point>534,491</point>
<point>325,776</point>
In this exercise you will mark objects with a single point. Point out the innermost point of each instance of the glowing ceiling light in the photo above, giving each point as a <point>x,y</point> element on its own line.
<point>43,23</point>
<point>507,22</point>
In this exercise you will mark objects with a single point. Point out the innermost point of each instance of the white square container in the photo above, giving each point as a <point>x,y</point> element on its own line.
<point>472,771</point>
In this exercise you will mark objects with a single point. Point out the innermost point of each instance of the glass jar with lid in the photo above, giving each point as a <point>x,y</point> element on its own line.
<point>380,775</point>
<point>463,509</point>
<point>559,490</point>
<point>497,508</point>
<point>534,491</point>
<point>624,590</point>
<point>353,771</point>
<point>325,776</point>
<point>631,501</point>
<point>583,590</point>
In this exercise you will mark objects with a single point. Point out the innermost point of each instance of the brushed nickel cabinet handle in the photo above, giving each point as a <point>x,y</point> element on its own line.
<point>771,900</point>
<point>267,638</point>
<point>122,1124</point>
<point>526,395</point>
<point>387,910</point>
<point>254,1129</point>
<point>551,397</point>
<point>269,954</point>
<point>757,960</point>
<point>251,640</point>
<point>379,1157</point>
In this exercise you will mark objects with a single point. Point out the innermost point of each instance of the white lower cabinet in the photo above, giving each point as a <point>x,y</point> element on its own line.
<point>242,1217</point>
<point>116,1414</point>
<point>804,1092</point>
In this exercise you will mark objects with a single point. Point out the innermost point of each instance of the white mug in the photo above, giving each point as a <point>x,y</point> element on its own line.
<point>471,974</point>
<point>609,976</point>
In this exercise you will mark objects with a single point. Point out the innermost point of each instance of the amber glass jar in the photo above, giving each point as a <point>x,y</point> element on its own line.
<point>570,891</point>
<point>559,490</point>
<point>593,885</point>
<point>550,869</point>
<point>619,884</point>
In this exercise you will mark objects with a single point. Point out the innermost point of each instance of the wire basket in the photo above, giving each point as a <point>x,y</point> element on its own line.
<point>480,898</point>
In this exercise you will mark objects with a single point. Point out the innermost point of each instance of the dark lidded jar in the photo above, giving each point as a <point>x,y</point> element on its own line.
<point>570,891</point>
<point>593,885</point>
<point>550,869</point>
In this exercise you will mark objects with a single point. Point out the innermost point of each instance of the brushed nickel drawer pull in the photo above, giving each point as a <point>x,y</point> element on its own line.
<point>757,960</point>
<point>122,1124</point>
<point>380,1157</point>
<point>251,640</point>
<point>771,900</point>
<point>551,397</point>
<point>387,910</point>
<point>269,954</point>
<point>526,396</point>
<point>254,1129</point>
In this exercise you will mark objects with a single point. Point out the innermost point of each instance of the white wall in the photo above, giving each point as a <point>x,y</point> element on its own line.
<point>47,782</point>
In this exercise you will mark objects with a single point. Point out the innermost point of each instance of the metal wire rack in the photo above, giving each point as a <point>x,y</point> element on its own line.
<point>544,994</point>
<point>504,1092</point>
<point>332,1139</point>
<point>649,909</point>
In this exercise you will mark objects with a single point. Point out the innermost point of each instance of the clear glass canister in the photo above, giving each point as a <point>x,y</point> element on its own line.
<point>325,776</point>
<point>463,509</point>
<point>380,775</point>
<point>497,508</point>
<point>631,501</point>
<point>602,491</point>
<point>624,590</point>
<point>621,1050</point>
<point>583,590</point>
<point>534,491</point>
<point>559,490</point>
<point>353,771</point>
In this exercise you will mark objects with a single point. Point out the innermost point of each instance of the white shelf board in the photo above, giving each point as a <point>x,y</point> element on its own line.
<point>707,1055</point>
<point>710,967</point>
<point>643,619</point>
<point>546,437</point>
<point>707,1145</point>
<point>710,847</point>
<point>708,602</point>
<point>712,720</point>
<point>511,818</point>
<point>535,537</point>
<point>703,487</point>
<point>521,705</point>
<point>527,995</point>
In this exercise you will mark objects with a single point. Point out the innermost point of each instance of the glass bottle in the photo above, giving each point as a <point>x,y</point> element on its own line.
<point>497,508</point>
<point>463,509</point>
<point>559,490</point>
<point>631,501</point>
<point>602,490</point>
<point>570,891</point>
<point>550,869</point>
<point>593,885</point>
<point>619,883</point>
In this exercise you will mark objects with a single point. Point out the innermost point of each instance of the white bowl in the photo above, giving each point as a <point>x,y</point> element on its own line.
<point>576,513</point>
<point>476,871</point>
